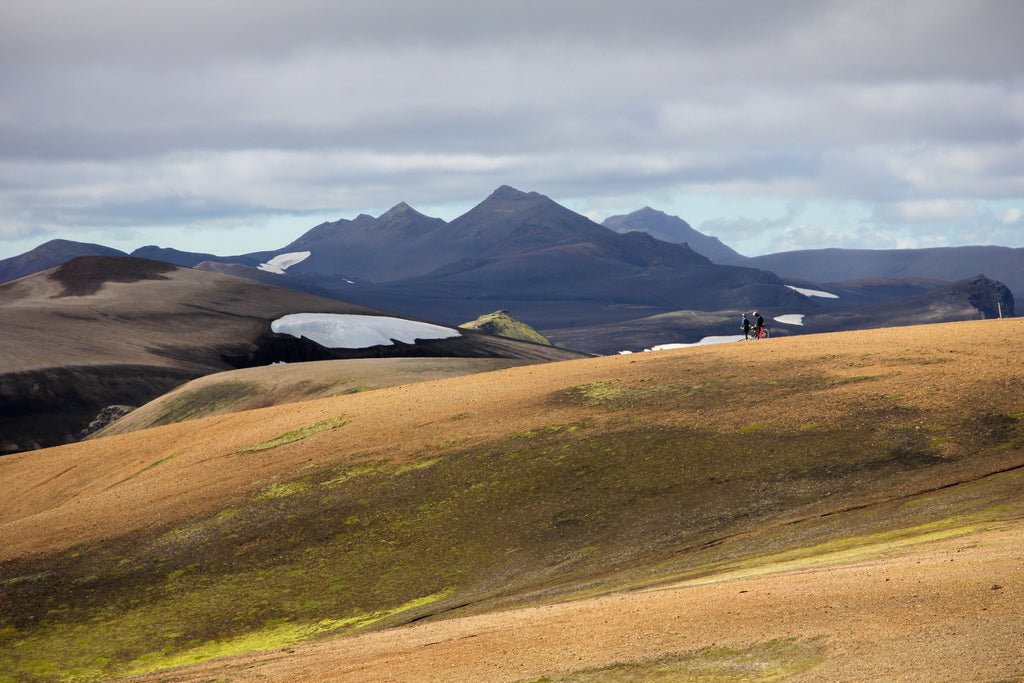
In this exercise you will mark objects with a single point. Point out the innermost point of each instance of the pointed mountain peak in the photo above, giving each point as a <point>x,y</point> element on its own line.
<point>399,210</point>
<point>509,192</point>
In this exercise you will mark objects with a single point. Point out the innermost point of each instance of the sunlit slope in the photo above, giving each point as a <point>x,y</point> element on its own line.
<point>250,388</point>
<point>533,484</point>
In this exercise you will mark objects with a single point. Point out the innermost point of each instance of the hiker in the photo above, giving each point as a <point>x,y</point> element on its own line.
<point>758,325</point>
<point>746,327</point>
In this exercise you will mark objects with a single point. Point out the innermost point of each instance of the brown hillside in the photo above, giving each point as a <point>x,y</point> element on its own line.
<point>100,331</point>
<point>828,507</point>
<point>250,388</point>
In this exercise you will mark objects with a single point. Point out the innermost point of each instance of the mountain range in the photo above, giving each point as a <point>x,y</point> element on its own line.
<point>574,280</point>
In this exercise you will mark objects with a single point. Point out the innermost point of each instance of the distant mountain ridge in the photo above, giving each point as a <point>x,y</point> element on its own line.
<point>673,229</point>
<point>523,252</point>
<point>1005,264</point>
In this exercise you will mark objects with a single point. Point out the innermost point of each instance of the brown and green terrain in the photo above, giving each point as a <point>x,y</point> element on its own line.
<point>826,507</point>
<point>103,331</point>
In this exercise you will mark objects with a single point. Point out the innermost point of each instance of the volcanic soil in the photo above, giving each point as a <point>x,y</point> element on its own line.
<point>906,566</point>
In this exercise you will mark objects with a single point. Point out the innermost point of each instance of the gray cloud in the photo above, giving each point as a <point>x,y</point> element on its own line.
<point>125,113</point>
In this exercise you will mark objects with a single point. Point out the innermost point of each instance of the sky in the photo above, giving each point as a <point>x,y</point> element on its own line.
<point>232,126</point>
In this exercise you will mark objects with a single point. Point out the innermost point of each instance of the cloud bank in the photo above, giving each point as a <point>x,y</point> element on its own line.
<point>769,125</point>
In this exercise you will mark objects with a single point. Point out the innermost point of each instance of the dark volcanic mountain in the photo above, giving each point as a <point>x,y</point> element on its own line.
<point>551,266</point>
<point>399,244</point>
<point>99,331</point>
<point>668,228</point>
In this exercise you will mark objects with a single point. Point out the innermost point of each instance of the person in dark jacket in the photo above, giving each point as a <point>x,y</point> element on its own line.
<point>758,325</point>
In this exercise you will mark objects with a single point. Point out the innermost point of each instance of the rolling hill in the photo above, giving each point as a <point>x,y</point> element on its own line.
<point>804,508</point>
<point>48,255</point>
<point>99,331</point>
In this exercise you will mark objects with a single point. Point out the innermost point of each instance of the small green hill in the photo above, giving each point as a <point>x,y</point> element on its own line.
<point>503,324</point>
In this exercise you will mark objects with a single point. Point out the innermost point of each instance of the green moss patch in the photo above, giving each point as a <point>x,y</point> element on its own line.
<point>204,401</point>
<point>774,660</point>
<point>296,435</point>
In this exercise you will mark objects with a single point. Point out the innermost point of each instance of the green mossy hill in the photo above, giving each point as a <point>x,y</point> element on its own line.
<point>503,324</point>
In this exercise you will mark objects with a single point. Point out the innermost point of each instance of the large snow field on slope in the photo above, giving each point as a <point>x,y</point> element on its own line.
<point>341,331</point>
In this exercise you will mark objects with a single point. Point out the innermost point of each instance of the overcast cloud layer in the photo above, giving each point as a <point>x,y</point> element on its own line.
<point>236,125</point>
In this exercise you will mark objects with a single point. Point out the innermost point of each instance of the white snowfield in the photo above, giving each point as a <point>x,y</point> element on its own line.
<point>814,292</point>
<point>787,319</point>
<point>703,342</point>
<point>342,331</point>
<point>283,262</point>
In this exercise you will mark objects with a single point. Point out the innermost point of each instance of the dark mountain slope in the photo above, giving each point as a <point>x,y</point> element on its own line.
<point>399,244</point>
<point>865,291</point>
<point>672,229</point>
<point>977,298</point>
<point>551,266</point>
<point>579,285</point>
<point>48,255</point>
<point>267,278</point>
<point>946,263</point>
<point>99,331</point>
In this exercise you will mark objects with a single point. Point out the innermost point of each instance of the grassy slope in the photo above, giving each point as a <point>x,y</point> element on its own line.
<point>504,324</point>
<point>607,474</point>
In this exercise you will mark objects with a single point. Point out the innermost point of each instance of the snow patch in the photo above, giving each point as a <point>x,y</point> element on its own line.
<point>790,319</point>
<point>341,331</point>
<point>283,262</point>
<point>814,292</point>
<point>703,342</point>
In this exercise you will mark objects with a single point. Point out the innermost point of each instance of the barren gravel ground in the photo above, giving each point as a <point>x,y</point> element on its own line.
<point>944,610</point>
